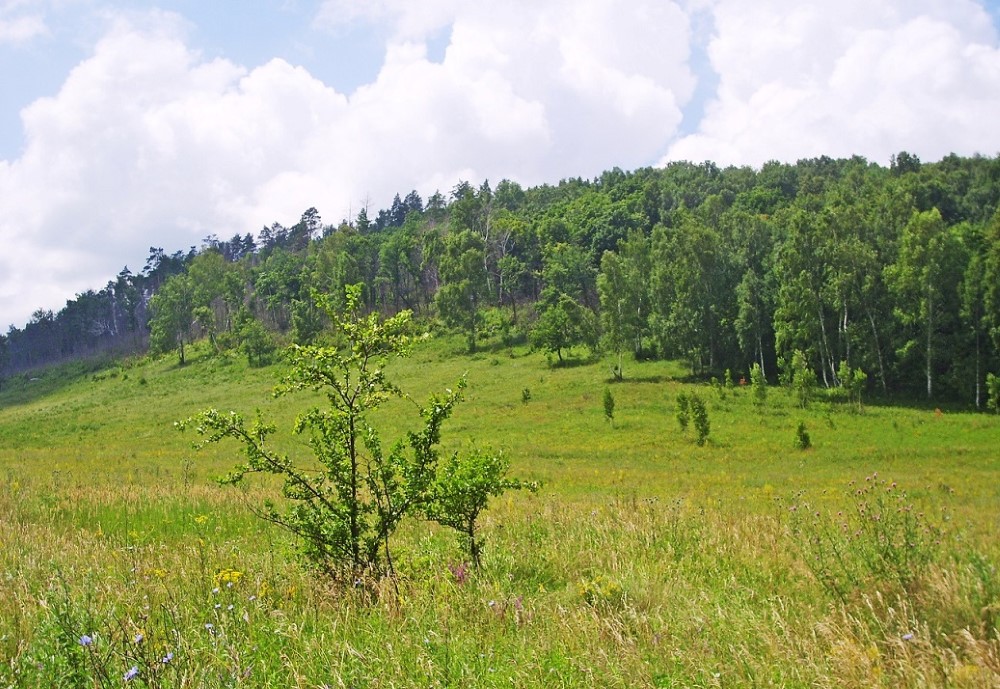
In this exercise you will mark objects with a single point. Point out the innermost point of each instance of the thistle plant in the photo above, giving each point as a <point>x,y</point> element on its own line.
<point>882,541</point>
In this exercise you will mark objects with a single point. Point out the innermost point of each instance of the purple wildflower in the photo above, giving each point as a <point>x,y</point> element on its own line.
<point>132,673</point>
<point>86,640</point>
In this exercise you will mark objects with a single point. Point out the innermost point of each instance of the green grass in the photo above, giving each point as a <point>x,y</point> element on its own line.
<point>644,560</point>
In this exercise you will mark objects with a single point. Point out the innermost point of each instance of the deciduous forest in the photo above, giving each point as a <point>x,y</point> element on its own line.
<point>856,266</point>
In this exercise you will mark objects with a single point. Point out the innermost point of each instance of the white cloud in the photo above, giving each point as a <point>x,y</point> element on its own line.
<point>20,22</point>
<point>149,143</point>
<point>21,29</point>
<point>849,78</point>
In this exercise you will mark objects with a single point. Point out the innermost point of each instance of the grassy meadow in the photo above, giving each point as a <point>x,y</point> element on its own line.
<point>645,560</point>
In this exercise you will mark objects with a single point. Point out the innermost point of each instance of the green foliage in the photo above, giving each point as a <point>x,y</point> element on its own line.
<point>852,381</point>
<point>525,395</point>
<point>802,439</point>
<point>803,379</point>
<point>346,513</point>
<point>254,340</point>
<point>718,388</point>
<point>682,410</point>
<point>609,406</point>
<point>623,294</point>
<point>729,382</point>
<point>307,321</point>
<point>171,308</point>
<point>699,417</point>
<point>563,325</point>
<point>464,287</point>
<point>461,490</point>
<point>758,385</point>
<point>993,392</point>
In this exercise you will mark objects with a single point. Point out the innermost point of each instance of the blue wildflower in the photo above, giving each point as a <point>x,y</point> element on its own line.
<point>86,640</point>
<point>132,673</point>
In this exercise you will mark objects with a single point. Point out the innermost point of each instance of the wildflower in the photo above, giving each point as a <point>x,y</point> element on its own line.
<point>200,519</point>
<point>139,637</point>
<point>167,658</point>
<point>460,572</point>
<point>210,627</point>
<point>907,637</point>
<point>229,577</point>
<point>132,673</point>
<point>86,640</point>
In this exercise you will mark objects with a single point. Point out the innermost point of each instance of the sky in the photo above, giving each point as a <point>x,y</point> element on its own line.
<point>131,124</point>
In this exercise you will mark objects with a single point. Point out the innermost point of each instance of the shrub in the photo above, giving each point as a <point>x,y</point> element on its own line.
<point>993,392</point>
<point>683,410</point>
<point>802,440</point>
<point>609,406</point>
<point>462,489</point>
<point>758,385</point>
<point>803,379</point>
<point>699,415</point>
<point>852,382</point>
<point>346,513</point>
<point>729,382</point>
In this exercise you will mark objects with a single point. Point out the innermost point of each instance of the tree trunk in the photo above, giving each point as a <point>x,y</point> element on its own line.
<point>878,352</point>
<point>930,331</point>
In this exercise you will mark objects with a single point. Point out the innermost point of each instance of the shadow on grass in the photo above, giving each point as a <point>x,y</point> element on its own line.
<point>30,386</point>
<point>637,379</point>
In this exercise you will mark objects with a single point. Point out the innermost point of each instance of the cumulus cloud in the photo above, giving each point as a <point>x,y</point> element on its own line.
<point>148,142</point>
<point>836,79</point>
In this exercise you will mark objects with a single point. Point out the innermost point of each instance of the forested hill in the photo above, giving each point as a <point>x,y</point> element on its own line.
<point>895,271</point>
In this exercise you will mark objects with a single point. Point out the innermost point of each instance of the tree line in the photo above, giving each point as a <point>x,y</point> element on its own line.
<point>890,270</point>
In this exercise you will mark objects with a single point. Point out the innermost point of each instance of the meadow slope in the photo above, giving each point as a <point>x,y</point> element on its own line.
<point>645,560</point>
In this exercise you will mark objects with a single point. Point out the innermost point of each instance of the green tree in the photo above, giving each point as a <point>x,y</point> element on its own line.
<point>691,297</point>
<point>852,381</point>
<point>622,286</point>
<point>462,489</point>
<point>609,406</point>
<point>682,410</point>
<point>563,325</point>
<point>803,378</point>
<point>464,284</point>
<point>758,385</point>
<point>924,285</point>
<point>993,392</point>
<point>172,314</point>
<point>255,341</point>
<point>347,504</point>
<point>699,417</point>
<point>4,357</point>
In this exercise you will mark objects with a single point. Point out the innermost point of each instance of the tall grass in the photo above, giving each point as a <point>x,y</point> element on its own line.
<point>646,560</point>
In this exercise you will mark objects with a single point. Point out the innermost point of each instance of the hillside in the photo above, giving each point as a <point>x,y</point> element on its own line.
<point>889,270</point>
<point>644,560</point>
